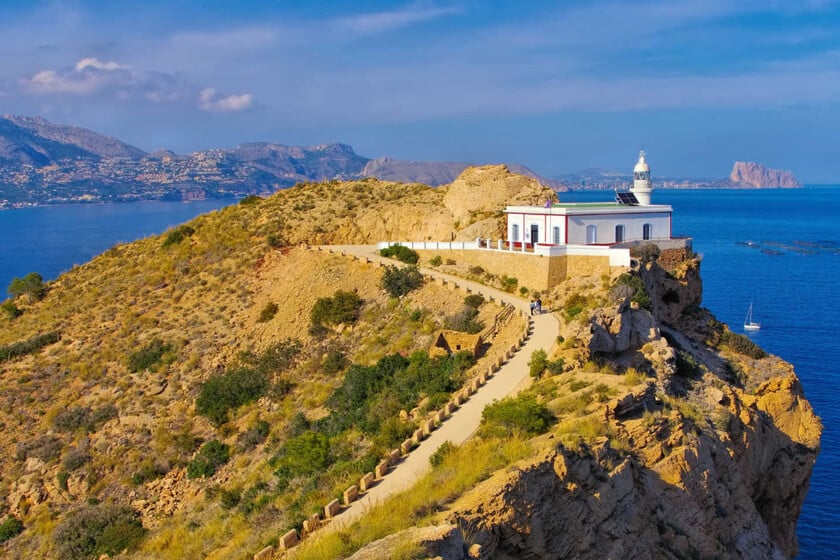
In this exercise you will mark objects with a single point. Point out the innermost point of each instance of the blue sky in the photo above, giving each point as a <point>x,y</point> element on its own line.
<point>557,86</point>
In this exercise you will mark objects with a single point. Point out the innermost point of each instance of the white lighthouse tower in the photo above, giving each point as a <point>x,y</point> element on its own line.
<point>641,181</point>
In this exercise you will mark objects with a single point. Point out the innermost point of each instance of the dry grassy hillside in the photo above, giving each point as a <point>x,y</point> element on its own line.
<point>106,416</point>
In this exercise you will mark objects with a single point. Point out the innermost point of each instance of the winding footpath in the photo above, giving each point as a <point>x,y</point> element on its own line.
<point>512,377</point>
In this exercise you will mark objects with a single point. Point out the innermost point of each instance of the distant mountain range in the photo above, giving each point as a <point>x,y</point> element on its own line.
<point>46,163</point>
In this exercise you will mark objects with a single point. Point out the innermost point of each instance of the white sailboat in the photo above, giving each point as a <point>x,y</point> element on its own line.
<point>748,322</point>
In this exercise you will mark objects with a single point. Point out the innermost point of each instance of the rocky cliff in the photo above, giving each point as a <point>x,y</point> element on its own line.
<point>756,175</point>
<point>703,448</point>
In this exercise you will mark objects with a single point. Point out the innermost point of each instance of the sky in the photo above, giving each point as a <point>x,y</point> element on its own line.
<point>558,86</point>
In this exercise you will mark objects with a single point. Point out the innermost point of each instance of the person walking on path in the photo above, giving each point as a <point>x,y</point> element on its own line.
<point>533,306</point>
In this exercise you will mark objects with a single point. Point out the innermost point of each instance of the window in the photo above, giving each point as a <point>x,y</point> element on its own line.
<point>647,231</point>
<point>535,234</point>
<point>514,232</point>
<point>591,235</point>
<point>555,235</point>
<point>619,233</point>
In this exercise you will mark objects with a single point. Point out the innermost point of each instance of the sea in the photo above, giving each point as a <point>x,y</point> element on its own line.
<point>777,249</point>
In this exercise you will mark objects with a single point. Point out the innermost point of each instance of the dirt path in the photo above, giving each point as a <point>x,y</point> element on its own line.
<point>511,378</point>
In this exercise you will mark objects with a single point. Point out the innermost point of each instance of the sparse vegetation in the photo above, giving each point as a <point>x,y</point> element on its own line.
<point>464,321</point>
<point>445,448</point>
<point>739,343</point>
<point>92,531</point>
<point>10,310</point>
<point>436,260</point>
<point>342,308</point>
<point>635,283</point>
<point>29,346</point>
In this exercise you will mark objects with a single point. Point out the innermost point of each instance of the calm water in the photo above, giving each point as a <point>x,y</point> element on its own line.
<point>791,272</point>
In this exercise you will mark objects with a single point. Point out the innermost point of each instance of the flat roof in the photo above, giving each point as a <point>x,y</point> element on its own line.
<point>589,208</point>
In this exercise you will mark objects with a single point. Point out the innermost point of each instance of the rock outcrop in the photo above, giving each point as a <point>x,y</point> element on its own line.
<point>756,175</point>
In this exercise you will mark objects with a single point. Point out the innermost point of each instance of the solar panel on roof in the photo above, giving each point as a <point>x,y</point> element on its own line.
<point>627,198</point>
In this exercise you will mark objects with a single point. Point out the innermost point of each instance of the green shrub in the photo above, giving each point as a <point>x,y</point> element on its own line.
<point>10,528</point>
<point>10,310</point>
<point>177,235</point>
<point>250,200</point>
<point>451,262</point>
<point>401,253</point>
<point>400,281</point>
<point>436,260</point>
<point>28,346</point>
<point>513,415</point>
<point>509,284</point>
<point>62,477</point>
<point>440,454</point>
<point>742,344</point>
<point>228,391</point>
<point>95,530</point>
<point>83,417</point>
<point>31,285</point>
<point>474,300</point>
<point>464,321</point>
<point>649,252</point>
<point>342,307</point>
<point>150,356</point>
<point>477,270</point>
<point>635,283</point>
<point>268,312</point>
<point>210,457</point>
<point>334,361</point>
<point>538,363</point>
<point>306,454</point>
<point>230,498</point>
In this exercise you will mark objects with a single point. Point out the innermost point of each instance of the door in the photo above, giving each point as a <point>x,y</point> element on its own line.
<point>619,233</point>
<point>535,234</point>
<point>647,231</point>
<point>591,235</point>
<point>556,235</point>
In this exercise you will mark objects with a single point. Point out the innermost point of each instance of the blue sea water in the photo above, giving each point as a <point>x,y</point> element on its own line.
<point>789,270</point>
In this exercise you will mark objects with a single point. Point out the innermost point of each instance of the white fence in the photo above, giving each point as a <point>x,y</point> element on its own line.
<point>618,256</point>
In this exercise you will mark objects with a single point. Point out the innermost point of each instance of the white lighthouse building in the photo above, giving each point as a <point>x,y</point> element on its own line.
<point>641,181</point>
<point>631,217</point>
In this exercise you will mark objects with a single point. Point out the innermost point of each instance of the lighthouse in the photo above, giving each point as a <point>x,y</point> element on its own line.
<point>641,181</point>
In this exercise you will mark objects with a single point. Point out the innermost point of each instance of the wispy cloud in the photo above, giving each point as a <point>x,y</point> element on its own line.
<point>210,100</point>
<point>379,22</point>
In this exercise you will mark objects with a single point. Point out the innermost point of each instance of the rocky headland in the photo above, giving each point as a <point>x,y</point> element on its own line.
<point>669,435</point>
<point>756,175</point>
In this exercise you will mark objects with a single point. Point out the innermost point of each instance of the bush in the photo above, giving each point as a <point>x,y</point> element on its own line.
<point>74,460</point>
<point>250,200</point>
<point>440,454</point>
<point>230,390</point>
<point>509,284</point>
<point>46,448</point>
<point>638,286</point>
<point>10,528</point>
<point>436,260</point>
<point>10,310</point>
<point>474,300</point>
<point>31,285</point>
<point>401,253</point>
<point>149,356</point>
<point>400,281</point>
<point>62,477</point>
<point>92,531</point>
<point>342,307</point>
<point>306,454</point>
<point>333,362</point>
<point>742,344</point>
<point>649,252</point>
<point>538,363</point>
<point>230,498</point>
<point>177,235</point>
<point>28,346</point>
<point>268,312</point>
<point>521,414</point>
<point>254,435</point>
<point>83,417</point>
<point>464,321</point>
<point>210,457</point>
